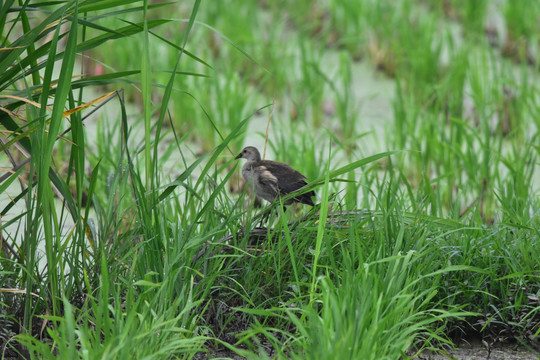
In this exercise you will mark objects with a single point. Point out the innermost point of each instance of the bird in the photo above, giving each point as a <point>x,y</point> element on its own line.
<point>271,179</point>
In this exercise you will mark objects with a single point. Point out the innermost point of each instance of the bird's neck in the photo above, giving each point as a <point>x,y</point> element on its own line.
<point>249,164</point>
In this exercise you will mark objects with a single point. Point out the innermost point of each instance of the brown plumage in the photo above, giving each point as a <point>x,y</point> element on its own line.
<point>271,179</point>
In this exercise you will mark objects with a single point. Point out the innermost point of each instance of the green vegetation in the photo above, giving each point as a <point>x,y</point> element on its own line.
<point>125,231</point>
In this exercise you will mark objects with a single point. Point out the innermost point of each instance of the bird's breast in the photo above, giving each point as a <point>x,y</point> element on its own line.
<point>247,171</point>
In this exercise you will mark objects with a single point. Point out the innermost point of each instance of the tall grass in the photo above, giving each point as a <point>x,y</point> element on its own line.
<point>77,276</point>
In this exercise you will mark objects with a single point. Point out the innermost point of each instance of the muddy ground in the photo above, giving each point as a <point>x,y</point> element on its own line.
<point>476,352</point>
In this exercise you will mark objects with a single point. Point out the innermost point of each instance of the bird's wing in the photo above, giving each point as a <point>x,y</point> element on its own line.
<point>266,178</point>
<point>288,179</point>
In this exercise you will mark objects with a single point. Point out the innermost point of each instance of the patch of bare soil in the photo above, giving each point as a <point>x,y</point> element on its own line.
<point>470,352</point>
<point>479,351</point>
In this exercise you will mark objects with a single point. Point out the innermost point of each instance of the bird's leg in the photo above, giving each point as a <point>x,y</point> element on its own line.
<point>264,218</point>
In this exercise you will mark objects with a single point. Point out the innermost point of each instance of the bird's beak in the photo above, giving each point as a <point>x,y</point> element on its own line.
<point>238,157</point>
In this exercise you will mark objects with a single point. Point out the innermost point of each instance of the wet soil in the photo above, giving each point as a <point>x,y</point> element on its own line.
<point>479,352</point>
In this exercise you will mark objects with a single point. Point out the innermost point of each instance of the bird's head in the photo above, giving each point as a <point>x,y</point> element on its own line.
<point>250,153</point>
